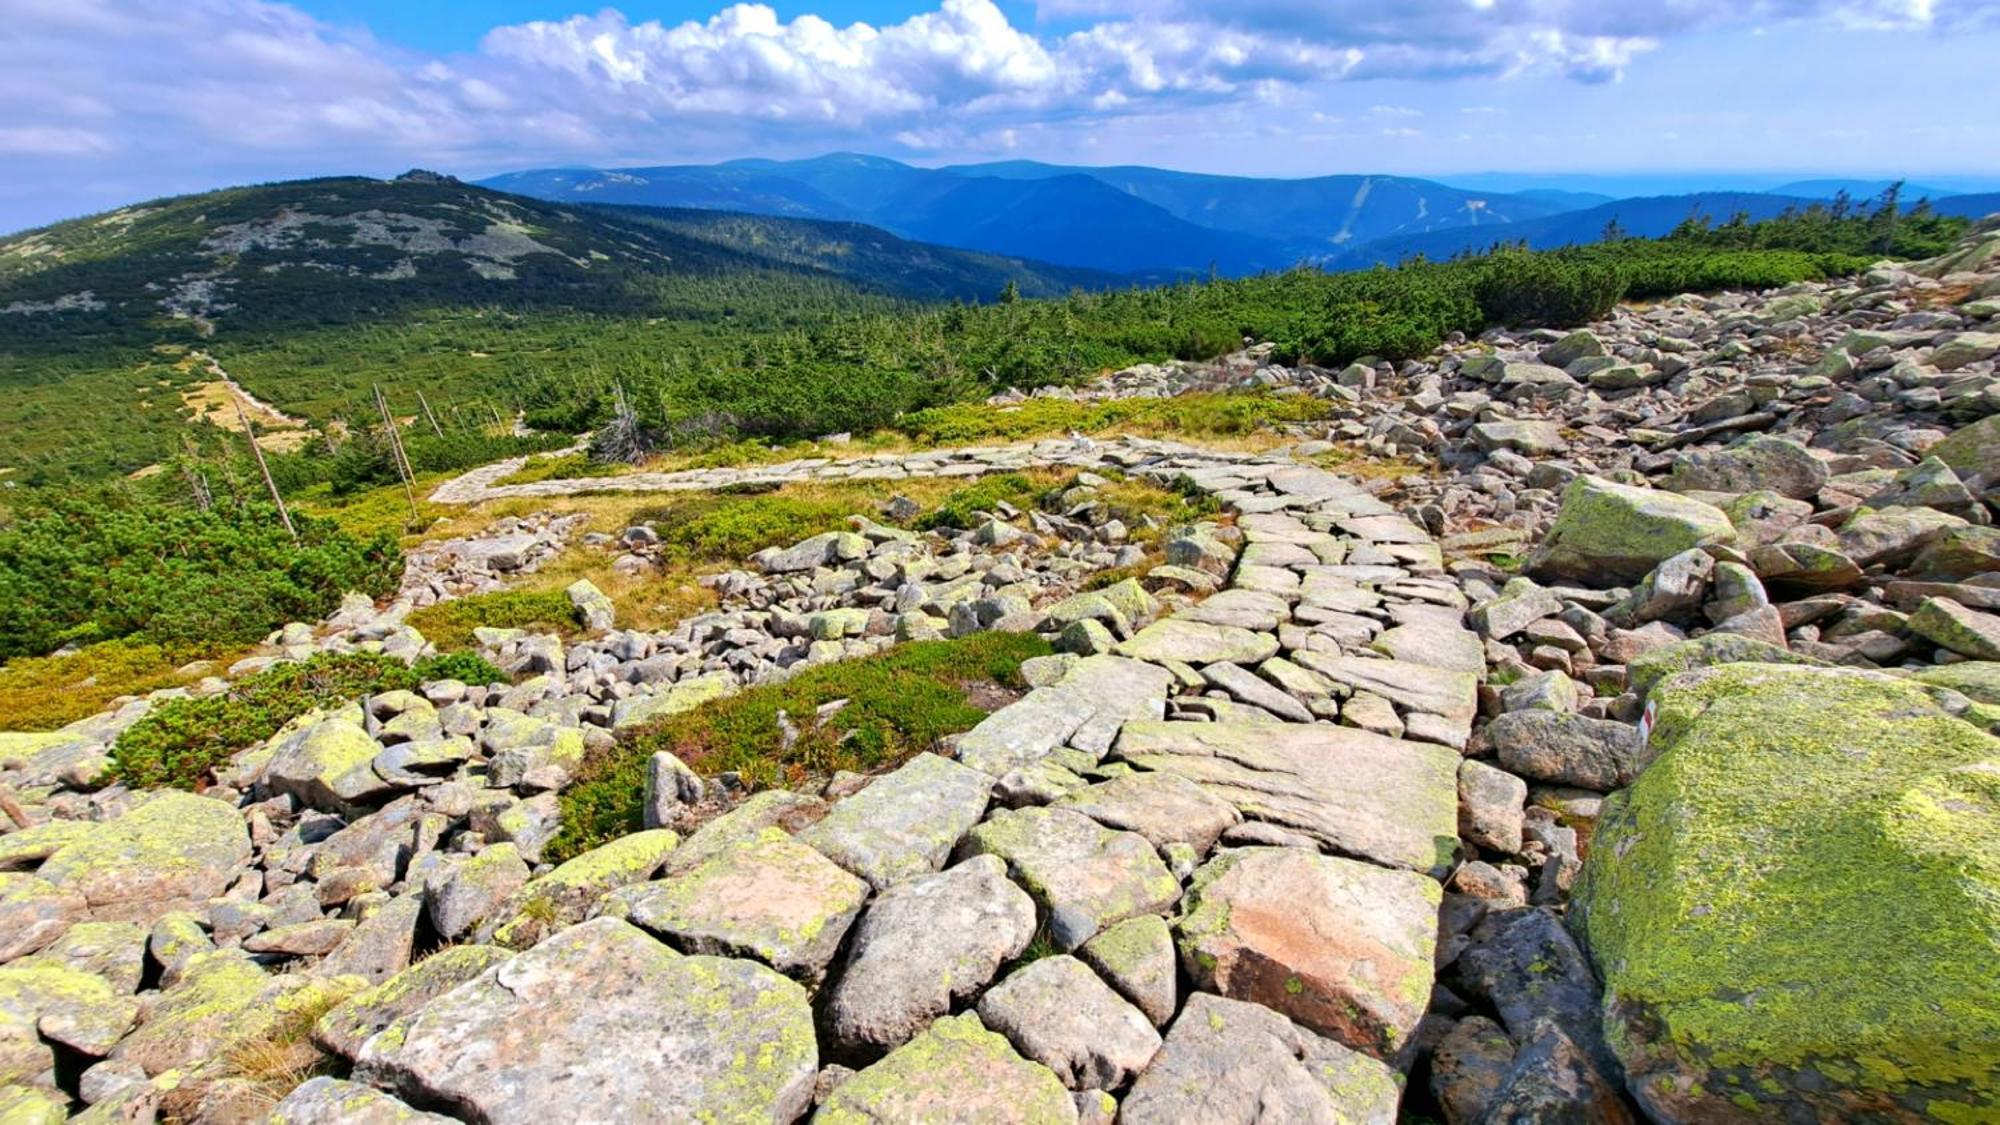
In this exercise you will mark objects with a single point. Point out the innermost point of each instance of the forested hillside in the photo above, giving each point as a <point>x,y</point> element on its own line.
<point>112,327</point>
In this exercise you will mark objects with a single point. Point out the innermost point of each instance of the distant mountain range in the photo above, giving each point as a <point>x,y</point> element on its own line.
<point>1141,222</point>
<point>1151,224</point>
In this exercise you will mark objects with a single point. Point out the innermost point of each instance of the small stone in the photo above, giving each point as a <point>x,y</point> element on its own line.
<point>1137,957</point>
<point>1490,804</point>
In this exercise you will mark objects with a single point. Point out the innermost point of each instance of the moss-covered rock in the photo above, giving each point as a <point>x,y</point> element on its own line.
<point>603,1023</point>
<point>1977,680</point>
<point>1973,449</point>
<point>1608,532</point>
<point>1796,909</point>
<point>1703,652</point>
<point>26,1105</point>
<point>349,1024</point>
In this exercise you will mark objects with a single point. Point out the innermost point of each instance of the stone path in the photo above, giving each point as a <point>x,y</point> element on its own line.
<point>481,484</point>
<point>1261,787</point>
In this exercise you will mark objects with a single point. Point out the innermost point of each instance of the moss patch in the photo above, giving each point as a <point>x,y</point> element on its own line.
<point>897,703</point>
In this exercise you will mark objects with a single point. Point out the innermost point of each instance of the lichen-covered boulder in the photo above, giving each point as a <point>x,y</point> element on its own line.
<point>172,848</point>
<point>1756,462</point>
<point>1795,910</point>
<point>565,896</point>
<point>1084,876</point>
<point>955,1071</point>
<point>925,944</point>
<point>33,913</point>
<point>1973,449</point>
<point>1609,533</point>
<point>1705,652</point>
<point>327,764</point>
<point>351,1023</point>
<point>597,1022</point>
<point>774,899</point>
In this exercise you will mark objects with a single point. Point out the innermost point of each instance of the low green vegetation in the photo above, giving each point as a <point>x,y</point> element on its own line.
<point>46,692</point>
<point>890,706</point>
<point>560,466</point>
<point>449,624</point>
<point>179,743</point>
<point>84,567</point>
<point>1230,414</point>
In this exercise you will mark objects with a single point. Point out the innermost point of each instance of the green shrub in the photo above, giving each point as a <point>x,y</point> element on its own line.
<point>449,624</point>
<point>961,508</point>
<point>465,667</point>
<point>898,703</point>
<point>178,743</point>
<point>85,568</point>
<point>730,528</point>
<point>1537,290</point>
<point>567,466</point>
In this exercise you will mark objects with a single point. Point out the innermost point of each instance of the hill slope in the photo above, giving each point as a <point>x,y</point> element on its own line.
<point>311,292</point>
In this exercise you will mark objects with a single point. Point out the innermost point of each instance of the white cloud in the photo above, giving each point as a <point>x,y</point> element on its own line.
<point>41,140</point>
<point>198,92</point>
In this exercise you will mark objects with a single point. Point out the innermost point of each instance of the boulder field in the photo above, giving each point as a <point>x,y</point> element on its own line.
<point>1590,726</point>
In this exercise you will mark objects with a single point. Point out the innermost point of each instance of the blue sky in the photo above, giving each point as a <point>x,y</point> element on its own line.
<point>106,102</point>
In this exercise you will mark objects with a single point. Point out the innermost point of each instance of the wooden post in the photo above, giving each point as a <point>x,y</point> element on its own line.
<point>396,449</point>
<point>257,451</point>
<point>425,403</point>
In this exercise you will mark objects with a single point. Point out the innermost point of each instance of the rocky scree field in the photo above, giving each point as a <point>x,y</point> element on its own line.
<point>1561,725</point>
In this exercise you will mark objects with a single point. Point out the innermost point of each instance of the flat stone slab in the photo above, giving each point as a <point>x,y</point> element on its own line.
<point>774,899</point>
<point>1360,794</point>
<point>925,944</point>
<point>1163,807</point>
<point>1339,946</point>
<point>1193,642</point>
<point>905,823</point>
<point>1436,638</point>
<point>955,1071</point>
<point>600,1019</point>
<point>1226,1062</point>
<point>1084,875</point>
<point>1083,709</point>
<point>1255,610</point>
<point>1451,696</point>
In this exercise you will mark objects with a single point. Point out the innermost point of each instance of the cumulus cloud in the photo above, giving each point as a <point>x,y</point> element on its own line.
<point>198,92</point>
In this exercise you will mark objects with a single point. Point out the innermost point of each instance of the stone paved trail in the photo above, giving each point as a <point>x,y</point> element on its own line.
<point>1257,779</point>
<point>481,484</point>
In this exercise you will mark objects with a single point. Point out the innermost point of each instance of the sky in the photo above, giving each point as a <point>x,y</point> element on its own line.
<point>108,102</point>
